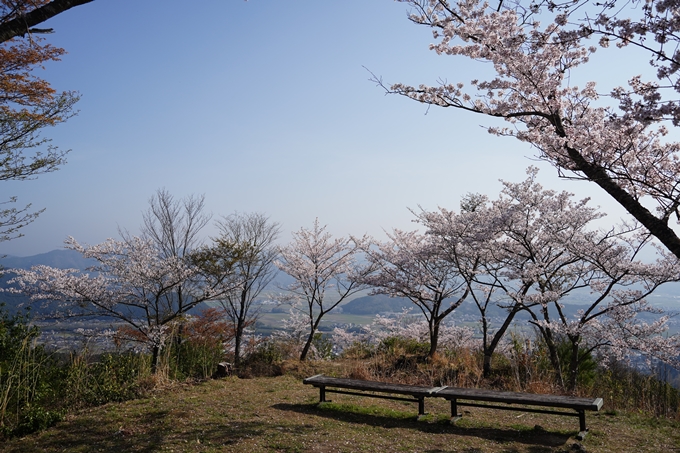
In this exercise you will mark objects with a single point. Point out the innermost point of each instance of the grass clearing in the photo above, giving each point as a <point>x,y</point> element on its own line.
<point>281,415</point>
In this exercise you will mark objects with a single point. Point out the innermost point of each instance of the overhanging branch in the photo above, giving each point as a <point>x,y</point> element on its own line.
<point>21,25</point>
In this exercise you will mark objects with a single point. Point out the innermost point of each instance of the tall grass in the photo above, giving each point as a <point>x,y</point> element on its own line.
<point>25,374</point>
<point>524,366</point>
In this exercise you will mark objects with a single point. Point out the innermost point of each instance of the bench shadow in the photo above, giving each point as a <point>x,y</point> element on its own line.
<point>536,437</point>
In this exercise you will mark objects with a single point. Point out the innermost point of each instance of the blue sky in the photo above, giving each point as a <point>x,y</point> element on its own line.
<point>262,106</point>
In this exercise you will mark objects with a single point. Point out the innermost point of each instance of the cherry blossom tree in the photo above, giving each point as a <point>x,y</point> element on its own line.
<point>466,240</point>
<point>131,282</point>
<point>148,282</point>
<point>621,147</point>
<point>533,248</point>
<point>325,273</point>
<point>173,226</point>
<point>410,265</point>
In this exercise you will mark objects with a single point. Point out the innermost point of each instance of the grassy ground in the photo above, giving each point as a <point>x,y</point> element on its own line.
<point>281,415</point>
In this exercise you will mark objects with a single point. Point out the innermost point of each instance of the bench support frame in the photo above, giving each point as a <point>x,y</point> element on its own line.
<point>512,401</point>
<point>415,399</point>
<point>581,414</point>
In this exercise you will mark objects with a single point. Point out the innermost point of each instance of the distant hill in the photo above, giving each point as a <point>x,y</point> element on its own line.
<point>62,259</point>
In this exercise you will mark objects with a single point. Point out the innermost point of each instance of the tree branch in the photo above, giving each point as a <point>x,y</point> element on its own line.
<point>21,25</point>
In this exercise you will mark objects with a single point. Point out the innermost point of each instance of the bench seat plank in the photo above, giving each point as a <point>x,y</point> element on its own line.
<point>371,386</point>
<point>530,399</point>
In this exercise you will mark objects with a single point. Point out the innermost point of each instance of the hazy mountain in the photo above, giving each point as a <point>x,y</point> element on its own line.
<point>62,259</point>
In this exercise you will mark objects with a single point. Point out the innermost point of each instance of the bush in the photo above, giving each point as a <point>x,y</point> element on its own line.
<point>36,418</point>
<point>323,347</point>
<point>403,346</point>
<point>587,367</point>
<point>109,377</point>
<point>198,345</point>
<point>358,350</point>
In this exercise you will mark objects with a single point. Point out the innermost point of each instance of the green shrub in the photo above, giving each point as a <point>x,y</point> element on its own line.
<point>323,346</point>
<point>358,350</point>
<point>587,367</point>
<point>36,418</point>
<point>191,360</point>
<point>403,346</point>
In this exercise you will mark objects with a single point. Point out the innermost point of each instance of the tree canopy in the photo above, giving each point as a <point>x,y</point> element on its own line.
<point>28,103</point>
<point>535,48</point>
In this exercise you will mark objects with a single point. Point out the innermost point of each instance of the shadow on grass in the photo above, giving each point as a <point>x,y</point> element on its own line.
<point>543,441</point>
<point>148,433</point>
<point>85,434</point>
<point>531,449</point>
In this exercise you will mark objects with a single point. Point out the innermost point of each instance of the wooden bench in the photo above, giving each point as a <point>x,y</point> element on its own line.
<point>373,389</point>
<point>579,405</point>
<point>469,397</point>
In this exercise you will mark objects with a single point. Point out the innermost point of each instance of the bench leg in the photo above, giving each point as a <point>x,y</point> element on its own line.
<point>582,425</point>
<point>322,394</point>
<point>421,408</point>
<point>455,416</point>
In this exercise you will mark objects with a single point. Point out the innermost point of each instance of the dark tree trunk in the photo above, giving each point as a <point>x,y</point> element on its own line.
<point>554,357</point>
<point>155,358</point>
<point>500,333</point>
<point>308,344</point>
<point>574,364</point>
<point>237,343</point>
<point>240,327</point>
<point>22,25</point>
<point>434,337</point>
<point>310,338</point>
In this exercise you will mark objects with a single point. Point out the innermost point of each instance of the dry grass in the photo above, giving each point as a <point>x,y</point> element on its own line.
<point>281,415</point>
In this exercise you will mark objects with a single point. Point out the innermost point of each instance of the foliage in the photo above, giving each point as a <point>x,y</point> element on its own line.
<point>200,345</point>
<point>267,358</point>
<point>532,247</point>
<point>628,389</point>
<point>253,236</point>
<point>536,49</point>
<point>25,373</point>
<point>323,347</point>
<point>587,365</point>
<point>37,388</point>
<point>28,104</point>
<point>94,380</point>
<point>403,346</point>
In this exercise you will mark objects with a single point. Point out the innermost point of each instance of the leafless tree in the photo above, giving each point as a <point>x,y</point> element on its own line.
<point>253,235</point>
<point>173,225</point>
